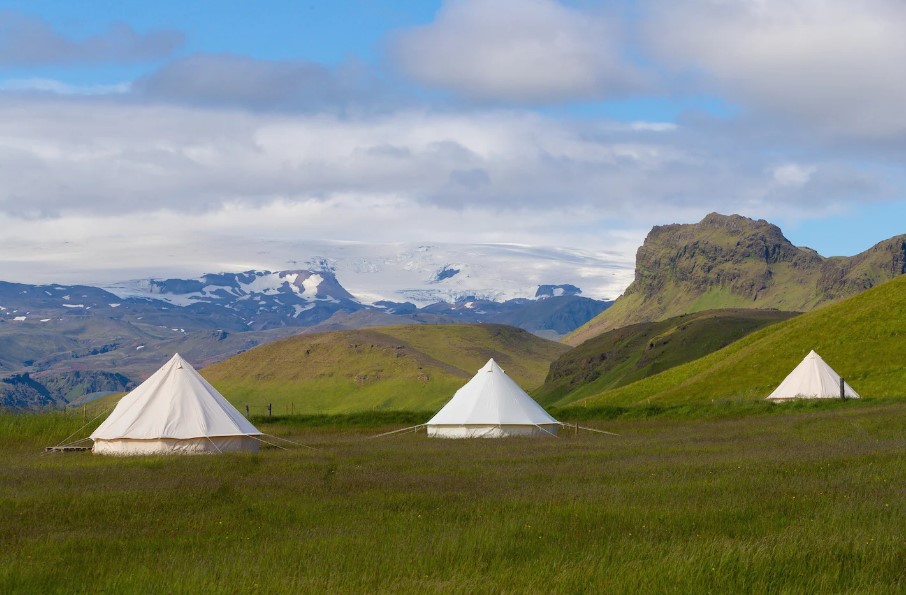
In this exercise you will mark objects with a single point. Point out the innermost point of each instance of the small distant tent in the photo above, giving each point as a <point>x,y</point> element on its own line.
<point>491,405</point>
<point>812,379</point>
<point>175,411</point>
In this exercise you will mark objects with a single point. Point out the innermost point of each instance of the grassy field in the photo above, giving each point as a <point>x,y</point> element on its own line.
<point>807,500</point>
<point>381,368</point>
<point>862,338</point>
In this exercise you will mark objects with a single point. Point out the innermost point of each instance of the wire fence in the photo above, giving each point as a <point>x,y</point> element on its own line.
<point>268,409</point>
<point>84,409</point>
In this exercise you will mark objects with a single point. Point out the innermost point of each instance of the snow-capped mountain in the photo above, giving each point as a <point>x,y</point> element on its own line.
<point>399,273</point>
<point>262,299</point>
<point>258,286</point>
<point>427,274</point>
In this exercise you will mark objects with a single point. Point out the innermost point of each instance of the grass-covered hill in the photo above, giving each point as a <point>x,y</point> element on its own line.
<point>863,338</point>
<point>628,354</point>
<point>736,262</point>
<point>384,368</point>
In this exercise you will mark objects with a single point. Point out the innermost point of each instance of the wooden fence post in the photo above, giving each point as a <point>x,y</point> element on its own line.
<point>269,410</point>
<point>842,389</point>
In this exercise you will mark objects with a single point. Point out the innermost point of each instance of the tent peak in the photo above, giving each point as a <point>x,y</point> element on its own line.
<point>492,365</point>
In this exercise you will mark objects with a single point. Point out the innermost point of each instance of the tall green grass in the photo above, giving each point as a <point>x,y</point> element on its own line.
<point>809,501</point>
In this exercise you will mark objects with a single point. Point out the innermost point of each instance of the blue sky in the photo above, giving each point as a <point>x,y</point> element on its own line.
<point>578,124</point>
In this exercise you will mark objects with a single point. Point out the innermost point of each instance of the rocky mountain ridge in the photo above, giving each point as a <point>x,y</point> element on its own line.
<point>736,262</point>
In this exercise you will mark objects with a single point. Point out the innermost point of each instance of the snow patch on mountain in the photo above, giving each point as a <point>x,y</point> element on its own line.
<point>426,274</point>
<point>312,283</point>
<point>223,287</point>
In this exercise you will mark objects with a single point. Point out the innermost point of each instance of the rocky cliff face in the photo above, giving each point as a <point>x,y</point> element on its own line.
<point>730,252</point>
<point>735,262</point>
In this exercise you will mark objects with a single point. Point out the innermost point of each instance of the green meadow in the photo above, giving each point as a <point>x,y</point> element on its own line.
<point>807,499</point>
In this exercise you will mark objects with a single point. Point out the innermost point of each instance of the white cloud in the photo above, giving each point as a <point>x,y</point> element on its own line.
<point>284,234</point>
<point>832,64</point>
<point>792,174</point>
<point>88,156</point>
<point>43,85</point>
<point>151,189</point>
<point>519,50</point>
<point>97,156</point>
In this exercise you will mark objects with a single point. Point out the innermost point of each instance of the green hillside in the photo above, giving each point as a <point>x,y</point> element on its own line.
<point>863,338</point>
<point>383,368</point>
<point>625,355</point>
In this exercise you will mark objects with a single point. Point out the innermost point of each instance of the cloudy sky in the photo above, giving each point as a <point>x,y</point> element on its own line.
<point>132,129</point>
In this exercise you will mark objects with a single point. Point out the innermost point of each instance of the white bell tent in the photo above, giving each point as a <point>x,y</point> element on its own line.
<point>491,405</point>
<point>174,411</point>
<point>812,379</point>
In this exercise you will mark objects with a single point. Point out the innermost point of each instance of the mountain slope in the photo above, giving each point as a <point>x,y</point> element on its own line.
<point>736,262</point>
<point>402,367</point>
<point>628,354</point>
<point>21,392</point>
<point>861,337</point>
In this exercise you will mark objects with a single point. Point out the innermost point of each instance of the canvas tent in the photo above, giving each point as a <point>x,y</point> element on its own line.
<point>174,411</point>
<point>491,405</point>
<point>812,379</point>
